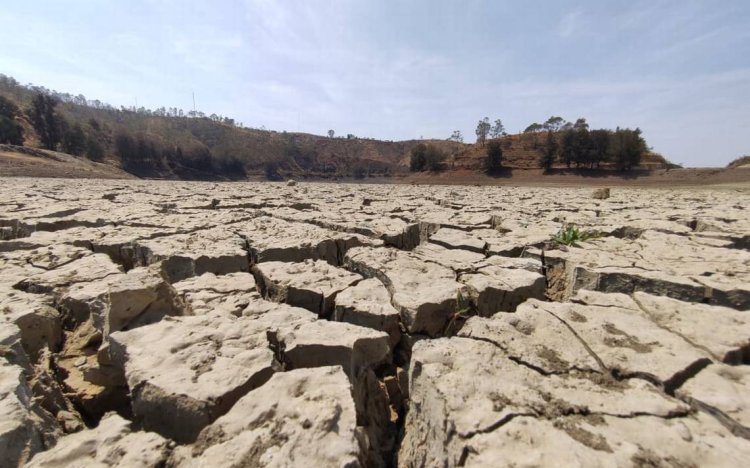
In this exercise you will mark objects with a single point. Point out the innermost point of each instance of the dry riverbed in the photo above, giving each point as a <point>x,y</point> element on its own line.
<point>267,324</point>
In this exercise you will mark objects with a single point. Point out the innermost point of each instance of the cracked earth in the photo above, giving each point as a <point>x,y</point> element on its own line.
<point>266,324</point>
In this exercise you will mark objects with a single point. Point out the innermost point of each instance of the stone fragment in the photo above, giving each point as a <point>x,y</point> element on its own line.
<point>463,389</point>
<point>39,323</point>
<point>270,239</point>
<point>628,343</point>
<point>607,441</point>
<point>368,304</point>
<point>303,417</point>
<point>312,285</point>
<point>230,293</point>
<point>185,372</point>
<point>534,337</point>
<point>112,443</point>
<point>455,259</point>
<point>426,294</point>
<point>216,250</point>
<point>458,239</point>
<point>601,194</point>
<point>725,388</point>
<point>25,428</point>
<point>722,331</point>
<point>323,343</point>
<point>86,269</point>
<point>495,289</point>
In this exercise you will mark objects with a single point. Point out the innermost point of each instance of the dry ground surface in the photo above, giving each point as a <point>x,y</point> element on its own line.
<point>267,324</point>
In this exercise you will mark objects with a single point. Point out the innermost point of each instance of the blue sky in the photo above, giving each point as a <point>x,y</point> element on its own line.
<point>397,69</point>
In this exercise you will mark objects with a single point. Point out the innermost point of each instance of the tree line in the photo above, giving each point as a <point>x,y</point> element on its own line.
<point>622,148</point>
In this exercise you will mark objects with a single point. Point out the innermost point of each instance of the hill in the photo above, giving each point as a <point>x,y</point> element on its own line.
<point>171,143</point>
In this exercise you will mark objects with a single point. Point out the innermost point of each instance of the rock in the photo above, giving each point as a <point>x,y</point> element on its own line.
<point>607,441</point>
<point>86,269</point>
<point>25,428</point>
<point>457,239</point>
<point>122,301</point>
<point>628,343</point>
<point>601,194</point>
<point>463,390</point>
<point>495,289</point>
<point>458,260</point>
<point>39,323</point>
<point>534,337</point>
<point>312,285</point>
<point>270,239</point>
<point>323,343</point>
<point>723,388</point>
<point>111,443</point>
<point>425,294</point>
<point>185,372</point>
<point>723,332</point>
<point>303,417</point>
<point>217,251</point>
<point>230,293</point>
<point>368,304</point>
<point>291,182</point>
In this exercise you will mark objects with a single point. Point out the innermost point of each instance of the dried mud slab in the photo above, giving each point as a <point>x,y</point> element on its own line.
<point>274,324</point>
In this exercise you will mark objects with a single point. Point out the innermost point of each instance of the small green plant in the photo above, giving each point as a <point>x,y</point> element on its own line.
<point>570,234</point>
<point>462,312</point>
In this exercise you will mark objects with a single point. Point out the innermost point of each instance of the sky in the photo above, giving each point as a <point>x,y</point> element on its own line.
<point>398,69</point>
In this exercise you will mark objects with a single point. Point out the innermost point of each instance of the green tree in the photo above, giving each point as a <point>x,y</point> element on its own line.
<point>73,139</point>
<point>599,146</point>
<point>581,124</point>
<point>434,158</point>
<point>483,128</point>
<point>534,128</point>
<point>456,136</point>
<point>568,147</point>
<point>549,155</point>
<point>418,160</point>
<point>11,132</point>
<point>497,129</point>
<point>494,156</point>
<point>44,119</point>
<point>94,149</point>
<point>554,123</point>
<point>627,147</point>
<point>331,133</point>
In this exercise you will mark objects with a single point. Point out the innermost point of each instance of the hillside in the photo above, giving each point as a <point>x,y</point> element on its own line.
<point>169,143</point>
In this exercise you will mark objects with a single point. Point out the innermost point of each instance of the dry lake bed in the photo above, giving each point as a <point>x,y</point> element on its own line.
<point>149,323</point>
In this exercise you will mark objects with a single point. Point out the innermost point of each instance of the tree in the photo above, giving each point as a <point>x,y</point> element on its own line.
<point>494,156</point>
<point>550,152</point>
<point>568,147</point>
<point>534,128</point>
<point>599,146</point>
<point>497,130</point>
<point>44,119</point>
<point>417,160</point>
<point>272,171</point>
<point>456,136</point>
<point>483,128</point>
<point>626,148</point>
<point>94,149</point>
<point>73,138</point>
<point>11,131</point>
<point>434,158</point>
<point>581,124</point>
<point>554,123</point>
<point>331,133</point>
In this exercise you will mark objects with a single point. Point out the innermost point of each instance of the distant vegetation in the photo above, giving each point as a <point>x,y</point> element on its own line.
<point>173,143</point>
<point>741,161</point>
<point>427,158</point>
<point>573,144</point>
